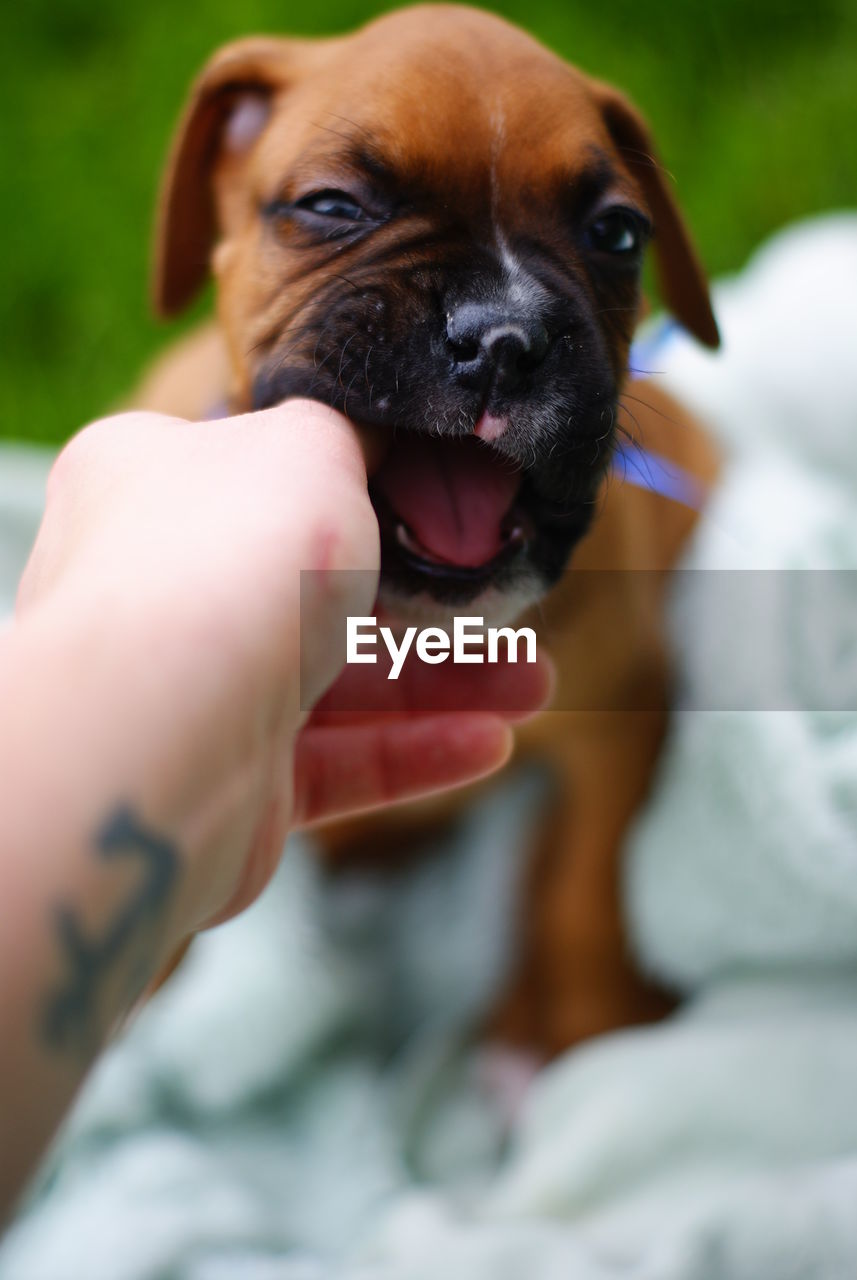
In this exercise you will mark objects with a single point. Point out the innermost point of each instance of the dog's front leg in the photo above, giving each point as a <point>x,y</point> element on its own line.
<point>576,977</point>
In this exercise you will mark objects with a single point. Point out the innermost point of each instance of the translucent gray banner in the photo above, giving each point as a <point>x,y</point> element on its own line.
<point>747,640</point>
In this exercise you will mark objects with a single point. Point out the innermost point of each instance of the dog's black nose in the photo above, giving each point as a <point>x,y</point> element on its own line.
<point>492,345</point>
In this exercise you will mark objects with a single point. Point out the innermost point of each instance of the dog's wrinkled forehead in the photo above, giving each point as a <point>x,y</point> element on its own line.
<point>483,128</point>
<point>454,106</point>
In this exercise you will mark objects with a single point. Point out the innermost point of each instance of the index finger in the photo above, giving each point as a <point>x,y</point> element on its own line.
<point>513,690</point>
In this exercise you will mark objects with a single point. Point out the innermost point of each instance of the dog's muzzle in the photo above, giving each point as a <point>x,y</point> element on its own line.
<point>500,404</point>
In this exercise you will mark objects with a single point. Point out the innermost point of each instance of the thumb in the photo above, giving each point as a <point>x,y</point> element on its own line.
<point>339,563</point>
<point>359,448</point>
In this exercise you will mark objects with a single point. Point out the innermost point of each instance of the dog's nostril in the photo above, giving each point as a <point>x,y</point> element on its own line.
<point>494,343</point>
<point>510,347</point>
<point>465,350</point>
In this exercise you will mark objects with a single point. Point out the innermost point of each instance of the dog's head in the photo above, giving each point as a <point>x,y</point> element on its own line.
<point>437,226</point>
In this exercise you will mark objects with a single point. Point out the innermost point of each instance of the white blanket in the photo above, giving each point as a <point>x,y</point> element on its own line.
<point>300,1101</point>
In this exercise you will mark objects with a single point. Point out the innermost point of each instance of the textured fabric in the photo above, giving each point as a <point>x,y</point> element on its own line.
<point>747,854</point>
<point>23,475</point>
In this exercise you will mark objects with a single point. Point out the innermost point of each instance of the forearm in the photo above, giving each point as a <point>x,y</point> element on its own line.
<point>104,824</point>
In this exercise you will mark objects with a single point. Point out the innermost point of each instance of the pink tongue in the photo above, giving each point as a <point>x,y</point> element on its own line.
<point>452,495</point>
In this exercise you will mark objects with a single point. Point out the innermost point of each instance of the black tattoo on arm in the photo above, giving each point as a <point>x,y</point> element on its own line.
<point>72,1017</point>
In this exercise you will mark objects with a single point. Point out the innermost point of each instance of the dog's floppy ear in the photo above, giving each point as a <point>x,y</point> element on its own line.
<point>681,278</point>
<point>230,97</point>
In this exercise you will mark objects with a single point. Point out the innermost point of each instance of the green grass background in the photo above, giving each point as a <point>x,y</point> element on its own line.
<point>754,103</point>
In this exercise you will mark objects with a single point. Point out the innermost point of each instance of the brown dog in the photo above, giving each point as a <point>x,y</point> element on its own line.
<point>438,227</point>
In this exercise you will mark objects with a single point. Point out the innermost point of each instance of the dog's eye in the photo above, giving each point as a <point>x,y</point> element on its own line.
<point>617,231</point>
<point>333,204</point>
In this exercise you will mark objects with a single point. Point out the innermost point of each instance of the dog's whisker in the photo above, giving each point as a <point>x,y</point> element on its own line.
<point>272,337</point>
<point>327,128</point>
<point>642,459</point>
<point>675,422</point>
<point>336,275</point>
<point>347,392</point>
<point>606,311</point>
<point>644,373</point>
<point>646,159</point>
<point>359,128</point>
<point>342,351</point>
<point>623,430</point>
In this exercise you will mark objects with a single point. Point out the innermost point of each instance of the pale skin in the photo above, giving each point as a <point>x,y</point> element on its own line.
<point>154,752</point>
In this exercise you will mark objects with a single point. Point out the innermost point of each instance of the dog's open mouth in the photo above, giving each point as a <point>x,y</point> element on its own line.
<point>450,509</point>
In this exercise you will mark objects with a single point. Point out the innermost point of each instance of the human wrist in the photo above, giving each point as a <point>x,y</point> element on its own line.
<point>156,720</point>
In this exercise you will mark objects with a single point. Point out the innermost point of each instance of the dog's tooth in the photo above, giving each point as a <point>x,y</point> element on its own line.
<point>405,539</point>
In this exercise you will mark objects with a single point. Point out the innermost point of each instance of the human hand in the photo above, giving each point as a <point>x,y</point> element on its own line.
<point>173,551</point>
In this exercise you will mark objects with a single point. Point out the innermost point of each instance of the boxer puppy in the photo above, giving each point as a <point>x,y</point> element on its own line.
<point>437,227</point>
